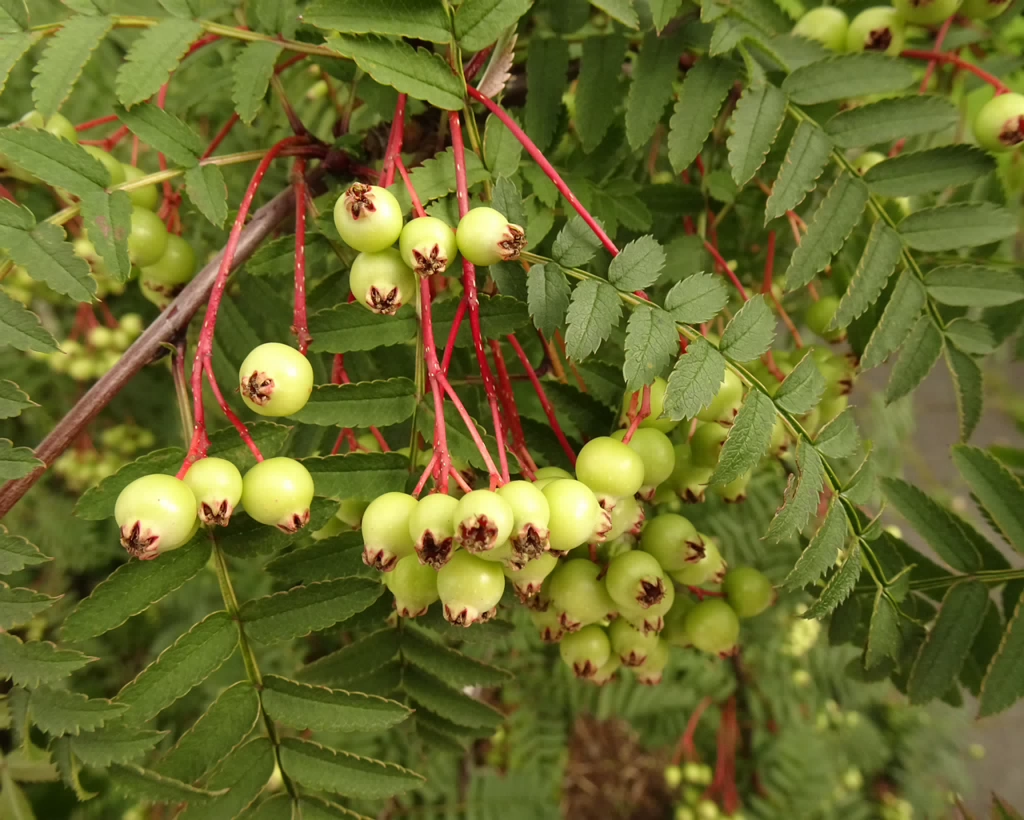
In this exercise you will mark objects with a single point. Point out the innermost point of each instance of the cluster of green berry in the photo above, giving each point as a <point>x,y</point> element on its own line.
<point>690,781</point>
<point>383,278</point>
<point>101,350</point>
<point>81,468</point>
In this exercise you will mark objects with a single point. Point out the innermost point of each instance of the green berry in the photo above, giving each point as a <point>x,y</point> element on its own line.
<point>736,490</point>
<point>926,12</point>
<point>382,282</point>
<point>984,9</point>
<point>627,516</point>
<point>610,468</point>
<point>651,671</point>
<point>585,651</point>
<point>706,444</point>
<point>688,480</point>
<point>748,591</point>
<point>607,672</point>
<point>368,218</point>
<point>879,28</point>
<point>155,513</point>
<point>549,624</point>
<point>483,520</point>
<point>427,245</point>
<point>674,631</point>
<point>579,594</point>
<point>469,588</point>
<point>654,421</point>
<point>432,529</point>
<point>350,512</point>
<point>575,514</point>
<point>413,585</point>
<point>530,517</point>
<point>175,267</point>
<point>658,456</point>
<point>630,644</point>
<point>999,125</point>
<point>486,237</point>
<point>713,627</point>
<point>673,541</point>
<point>148,196</point>
<point>113,167</point>
<point>278,492</point>
<point>868,160</point>
<point>725,406</point>
<point>148,238</point>
<point>819,318</point>
<point>709,569</point>
<point>552,473</point>
<point>275,380</point>
<point>58,125</point>
<point>386,536</point>
<point>825,24</point>
<point>528,580</point>
<point>217,486</point>
<point>636,579</point>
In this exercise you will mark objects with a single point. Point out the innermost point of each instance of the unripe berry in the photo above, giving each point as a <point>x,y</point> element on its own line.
<point>382,282</point>
<point>748,591</point>
<point>575,514</point>
<point>528,580</point>
<point>819,318</point>
<point>413,585</point>
<point>483,520</point>
<point>706,444</point>
<point>501,554</point>
<point>674,631</point>
<point>825,24</point>
<point>709,569</point>
<point>926,12</point>
<point>673,776</point>
<point>630,644</point>
<point>176,266</point>
<point>654,421</point>
<point>551,473</point>
<point>486,237</point>
<point>673,541</point>
<point>652,618</point>
<point>217,486</point>
<point>350,512</point>
<point>610,468</point>
<point>469,588</point>
<point>869,159</point>
<point>999,125</point>
<point>627,517</point>
<point>725,406</point>
<point>530,516</point>
<point>656,452</point>
<point>651,671</point>
<point>432,529</point>
<point>275,380</point>
<point>879,28</point>
<point>713,627</point>
<point>984,9</point>
<point>368,218</point>
<point>114,168</point>
<point>278,492</point>
<point>579,594</point>
<point>386,536</point>
<point>145,197</point>
<point>607,672</point>
<point>585,651</point>
<point>688,480</point>
<point>549,624</point>
<point>156,513</point>
<point>636,579</point>
<point>427,245</point>
<point>736,490</point>
<point>148,238</point>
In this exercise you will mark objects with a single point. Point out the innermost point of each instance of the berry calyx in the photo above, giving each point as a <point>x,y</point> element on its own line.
<point>549,624</point>
<point>483,520</point>
<point>657,454</point>
<point>607,672</point>
<point>469,588</point>
<point>217,487</point>
<point>528,580</point>
<point>673,541</point>
<point>999,125</point>
<point>879,28</point>
<point>688,480</point>
<point>651,671</point>
<point>148,238</point>
<point>156,513</point>
<point>725,406</point>
<point>748,591</point>
<point>278,492</point>
<point>575,514</point>
<point>530,516</point>
<point>427,245</point>
<point>654,421</point>
<point>413,585</point>
<point>486,237</point>
<point>713,627</point>
<point>926,12</point>
<point>386,530</point>
<point>651,618</point>
<point>630,644</point>
<point>736,490</point>
<point>636,579</point>
<point>819,318</point>
<point>825,24</point>
<point>585,651</point>
<point>368,218</point>
<point>709,569</point>
<point>432,529</point>
<point>610,468</point>
<point>380,281</point>
<point>627,517</point>
<point>579,594</point>
<point>275,380</point>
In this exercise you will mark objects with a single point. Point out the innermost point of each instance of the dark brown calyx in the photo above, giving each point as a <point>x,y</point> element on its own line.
<point>633,659</point>
<point>512,243</point>
<point>478,534</point>
<point>1012,132</point>
<point>586,669</point>
<point>650,592</point>
<point>429,262</point>
<point>569,624</point>
<point>527,590</point>
<point>359,200</point>
<point>385,302</point>
<point>295,522</point>
<point>879,39</point>
<point>695,552</point>
<point>217,515</point>
<point>381,560</point>
<point>140,543</point>
<point>258,388</point>
<point>433,552</point>
<point>529,543</point>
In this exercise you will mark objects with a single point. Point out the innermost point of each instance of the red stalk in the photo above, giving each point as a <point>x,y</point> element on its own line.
<point>511,412</point>
<point>417,206</point>
<point>545,402</point>
<point>442,456</point>
<point>394,147</point>
<point>449,348</point>
<point>637,418</point>
<point>958,61</point>
<point>85,126</point>
<point>219,138</point>
<point>339,376</point>
<point>299,324</point>
<point>473,66</point>
<point>940,38</point>
<point>686,747</point>
<point>239,425</point>
<point>725,268</point>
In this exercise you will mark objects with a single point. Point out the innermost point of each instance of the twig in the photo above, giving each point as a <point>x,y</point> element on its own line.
<point>299,323</point>
<point>545,402</point>
<point>959,62</point>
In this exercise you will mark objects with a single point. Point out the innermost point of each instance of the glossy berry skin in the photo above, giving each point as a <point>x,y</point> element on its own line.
<point>528,580</point>
<point>114,168</point>
<point>368,218</point>
<point>530,516</point>
<point>217,487</point>
<point>926,12</point>
<point>427,245</point>
<point>483,520</point>
<point>385,529</point>
<point>658,456</point>
<point>725,406</point>
<point>736,490</point>
<point>713,627</point>
<point>630,644</point>
<point>879,28</point>
<point>382,282</point>
<point>610,468</point>
<point>585,651</point>
<point>156,513</point>
<point>176,266</point>
<point>607,672</point>
<point>984,9</point>
<point>825,24</point>
<point>148,238</point>
<point>627,516</point>
<point>145,197</point>
<point>654,421</point>
<point>706,444</point>
<point>275,380</point>
<point>819,318</point>
<point>575,513</point>
<point>469,588</point>
<point>413,585</point>
<point>278,492</point>
<point>674,631</point>
<point>748,591</point>
<point>688,480</point>
<point>432,529</point>
<point>485,237</point>
<point>651,671</point>
<point>579,594</point>
<point>673,541</point>
<point>635,578</point>
<point>866,161</point>
<point>709,569</point>
<point>58,125</point>
<point>999,125</point>
<point>552,473</point>
<point>549,624</point>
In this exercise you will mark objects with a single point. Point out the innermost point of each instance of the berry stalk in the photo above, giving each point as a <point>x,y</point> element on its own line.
<point>636,419</point>
<point>394,147</point>
<point>959,62</point>
<point>300,326</point>
<point>542,396</point>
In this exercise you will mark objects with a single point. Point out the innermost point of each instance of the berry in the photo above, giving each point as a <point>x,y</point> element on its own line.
<point>386,536</point>
<point>156,513</point>
<point>217,486</point>
<point>819,318</point>
<point>607,672</point>
<point>748,591</point>
<point>710,568</point>
<point>673,541</point>
<point>999,125</point>
<point>706,444</point>
<point>984,9</point>
<point>652,618</point>
<point>114,168</point>
<point>469,588</point>
<point>368,218</point>
<point>501,554</point>
<point>631,645</point>
<point>656,453</point>
<point>827,25</point>
<point>575,514</point>
<point>579,594</point>
<point>586,651</point>
<point>427,245</point>
<point>830,407</point>
<point>530,516</point>
<point>627,516</point>
<point>879,28</point>
<point>58,125</point>
<point>866,161</point>
<point>483,520</point>
<point>610,468</point>
<point>713,627</point>
<point>654,421</point>
<point>275,380</point>
<point>528,580</point>
<point>689,480</point>
<point>350,512</point>
<point>278,492</point>
<point>926,12</point>
<point>176,266</point>
<point>674,631</point>
<point>485,237</point>
<point>382,282</point>
<point>551,473</point>
<point>148,238</point>
<point>548,623</point>
<point>736,490</point>
<point>413,585</point>
<point>432,529</point>
<point>650,672</point>
<point>145,197</point>
<point>725,406</point>
<point>636,578</point>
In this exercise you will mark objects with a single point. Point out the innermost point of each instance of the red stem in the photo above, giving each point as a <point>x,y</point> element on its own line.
<point>473,66</point>
<point>725,268</point>
<point>387,171</point>
<point>85,126</point>
<point>434,374</point>
<point>219,138</point>
<point>637,418</point>
<point>239,425</point>
<point>511,412</point>
<point>299,324</point>
<point>549,411</point>
<point>417,206</point>
<point>339,376</point>
<point>958,61</point>
<point>686,747</point>
<point>769,264</point>
<point>940,38</point>
<point>427,471</point>
<point>449,348</point>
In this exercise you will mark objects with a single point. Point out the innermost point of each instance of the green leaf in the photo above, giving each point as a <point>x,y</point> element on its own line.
<point>164,132</point>
<point>805,159</point>
<point>102,747</point>
<point>802,389</point>
<point>30,664</point>
<point>351,327</point>
<point>20,328</point>
<point>651,342</point>
<point>654,69</point>
<point>16,462</point>
<point>881,255</point>
<point>63,60</point>
<point>349,775</point>
<point>929,171</point>
<point>885,639</point>
<point>949,641</point>
<point>638,265</point>
<point>447,664</point>
<point>755,125</point>
<point>502,151</point>
<point>240,779</point>
<point>900,314</point>
<point>593,314</point>
<point>207,190</point>
<point>748,439</point>
<point>97,503</point>
<point>422,19</point>
<point>974,286</point>
<point>599,89</point>
<point>963,225</point>
<point>750,332</point>
<point>499,316</point>
<point>916,360</point>
<point>301,610</point>
<point>364,656</point>
<point>1004,679</point>
<point>846,76</point>
<point>802,491</point>
<point>12,401</point>
<point>695,380</point>
<point>996,489</point>
<point>823,549</point>
<point>18,606</point>
<point>358,475</point>
<point>108,219</point>
<point>621,10</point>
<point>152,57</point>
<point>698,298</point>
<point>325,560</point>
<point>967,380</point>
<point>662,11</point>
<point>703,91</point>
<point>302,706</point>
<point>60,712</point>
<point>387,402</point>
<point>970,336</point>
<point>49,259</point>
<point>839,586</point>
<point>891,119</point>
<point>833,221</point>
<point>435,178</point>
<point>449,703</point>
<point>478,23</point>
<point>16,553</point>
<point>12,48</point>
<point>839,438</point>
<point>548,297</point>
<point>55,161</point>
<point>214,735</point>
<point>252,71</point>
<point>547,61</point>
<point>416,72</point>
<point>575,244</point>
<point>135,782</point>
<point>132,588</point>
